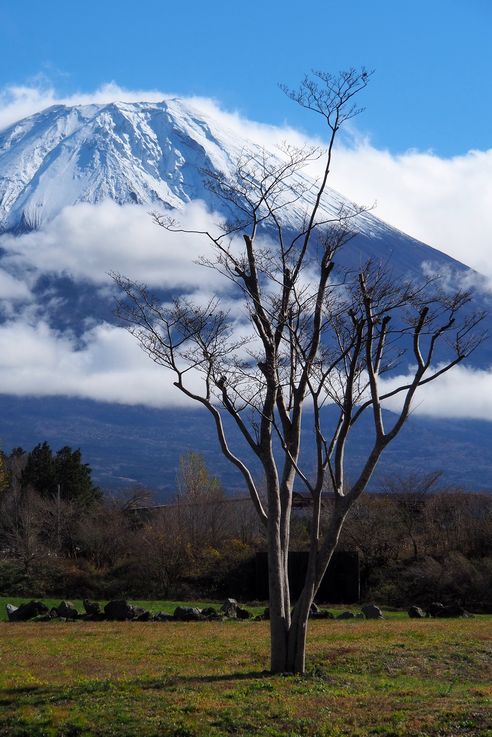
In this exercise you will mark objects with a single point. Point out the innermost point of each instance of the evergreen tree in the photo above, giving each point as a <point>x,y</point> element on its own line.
<point>39,472</point>
<point>45,471</point>
<point>75,477</point>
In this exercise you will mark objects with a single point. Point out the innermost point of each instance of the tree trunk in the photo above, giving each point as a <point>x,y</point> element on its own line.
<point>317,564</point>
<point>278,644</point>
<point>288,639</point>
<point>296,648</point>
<point>278,598</point>
<point>279,618</point>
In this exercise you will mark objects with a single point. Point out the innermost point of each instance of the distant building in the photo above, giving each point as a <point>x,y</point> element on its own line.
<point>340,585</point>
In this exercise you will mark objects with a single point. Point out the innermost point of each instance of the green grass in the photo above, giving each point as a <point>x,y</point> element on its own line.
<point>396,678</point>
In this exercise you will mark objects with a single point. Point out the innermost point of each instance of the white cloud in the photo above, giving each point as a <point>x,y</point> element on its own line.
<point>443,202</point>
<point>463,392</point>
<point>88,241</point>
<point>107,365</point>
<point>12,288</point>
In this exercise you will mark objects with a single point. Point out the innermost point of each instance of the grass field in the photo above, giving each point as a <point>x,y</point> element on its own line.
<point>393,678</point>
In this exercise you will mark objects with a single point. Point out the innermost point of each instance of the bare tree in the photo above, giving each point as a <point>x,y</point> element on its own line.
<point>5,480</point>
<point>409,495</point>
<point>22,524</point>
<point>160,552</point>
<point>374,529</point>
<point>314,335</point>
<point>104,533</point>
<point>201,512</point>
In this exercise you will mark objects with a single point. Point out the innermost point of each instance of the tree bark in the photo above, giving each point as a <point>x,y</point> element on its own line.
<point>317,564</point>
<point>277,580</point>
<point>279,607</point>
<point>296,650</point>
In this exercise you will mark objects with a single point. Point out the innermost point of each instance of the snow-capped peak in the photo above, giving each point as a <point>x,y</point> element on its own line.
<point>147,153</point>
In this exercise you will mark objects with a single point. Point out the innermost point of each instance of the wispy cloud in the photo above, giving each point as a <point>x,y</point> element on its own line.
<point>13,289</point>
<point>442,202</point>
<point>88,241</point>
<point>463,392</point>
<point>105,365</point>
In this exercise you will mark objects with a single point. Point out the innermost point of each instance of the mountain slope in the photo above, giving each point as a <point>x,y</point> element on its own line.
<point>130,153</point>
<point>155,155</point>
<point>137,445</point>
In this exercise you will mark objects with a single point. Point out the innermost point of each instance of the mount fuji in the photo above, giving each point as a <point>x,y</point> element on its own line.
<point>69,176</point>
<point>155,155</point>
<point>130,153</point>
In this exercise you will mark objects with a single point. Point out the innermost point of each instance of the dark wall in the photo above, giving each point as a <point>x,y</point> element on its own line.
<point>341,583</point>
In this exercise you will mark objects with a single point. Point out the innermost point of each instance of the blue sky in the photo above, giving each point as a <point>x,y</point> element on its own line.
<point>432,88</point>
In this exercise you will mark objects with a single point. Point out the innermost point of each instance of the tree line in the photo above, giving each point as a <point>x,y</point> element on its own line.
<point>60,534</point>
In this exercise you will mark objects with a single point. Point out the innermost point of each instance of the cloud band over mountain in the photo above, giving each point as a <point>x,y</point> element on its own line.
<point>443,202</point>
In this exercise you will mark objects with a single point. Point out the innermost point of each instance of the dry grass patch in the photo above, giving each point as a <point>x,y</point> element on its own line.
<point>393,678</point>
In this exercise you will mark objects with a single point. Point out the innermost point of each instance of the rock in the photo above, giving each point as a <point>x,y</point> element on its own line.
<point>322,614</point>
<point>27,611</point>
<point>91,607</point>
<point>99,617</point>
<point>210,613</point>
<point>346,615</point>
<point>164,617</point>
<point>371,611</point>
<point>66,610</point>
<point>434,609</point>
<point>415,612</point>
<point>229,608</point>
<point>187,614</point>
<point>243,613</point>
<point>452,610</point>
<point>143,616</point>
<point>119,610</point>
<point>11,610</point>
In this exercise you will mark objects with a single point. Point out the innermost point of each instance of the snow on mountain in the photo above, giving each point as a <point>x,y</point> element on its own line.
<point>58,341</point>
<point>145,153</point>
<point>153,154</point>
